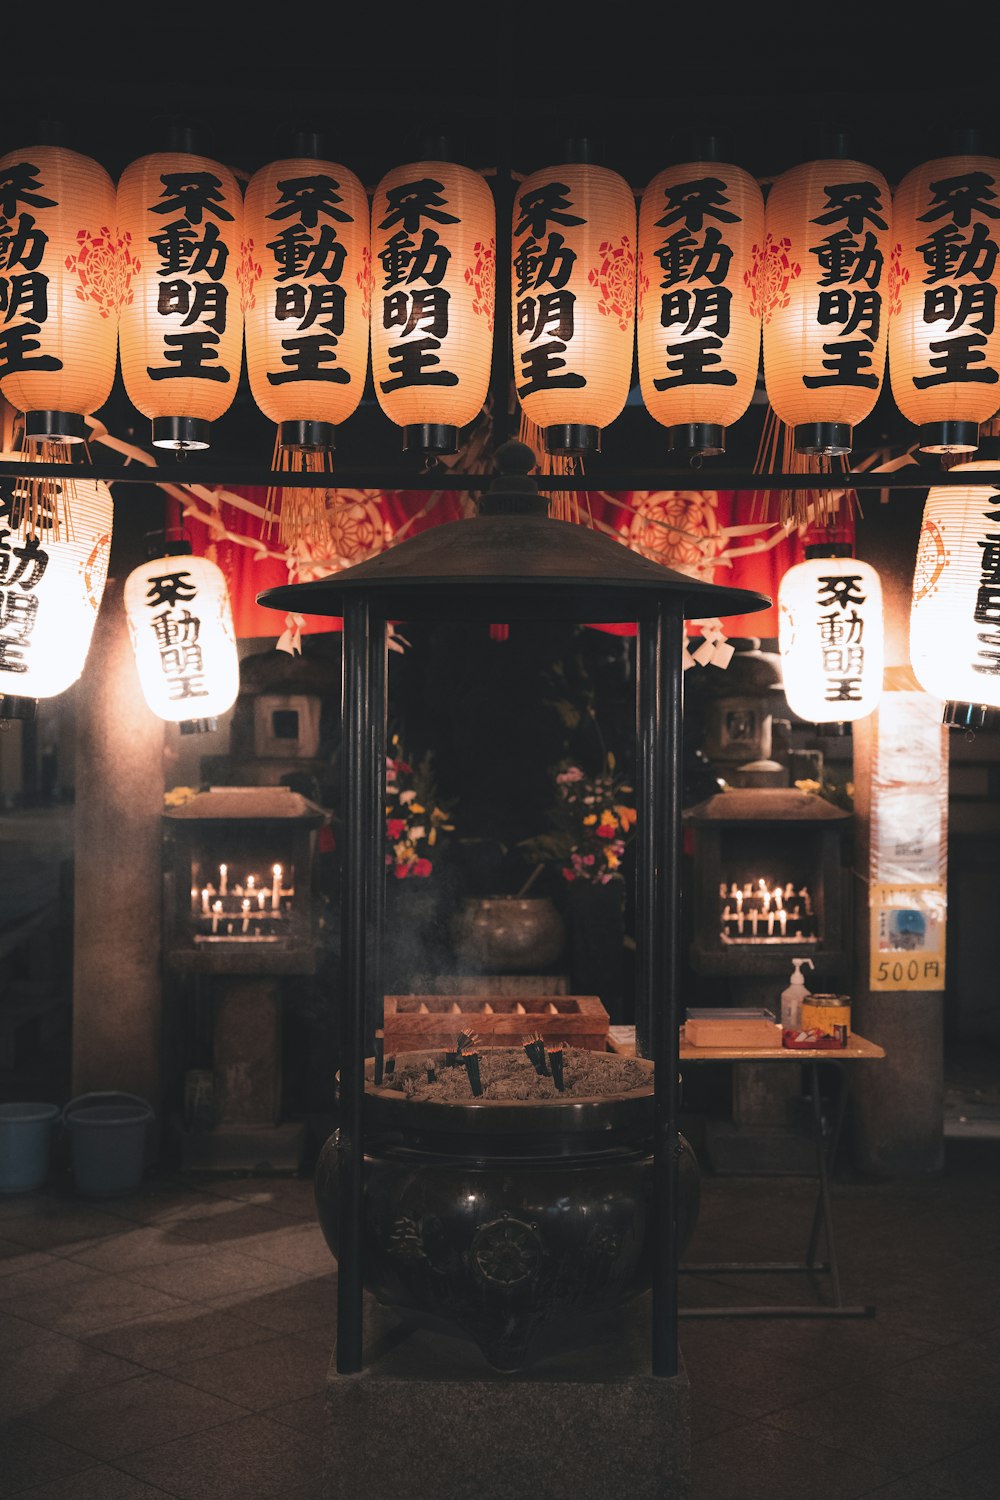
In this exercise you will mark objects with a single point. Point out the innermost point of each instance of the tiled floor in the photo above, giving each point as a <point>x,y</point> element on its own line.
<point>176,1342</point>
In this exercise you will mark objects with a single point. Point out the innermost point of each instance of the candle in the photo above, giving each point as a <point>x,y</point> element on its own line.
<point>223,879</point>
<point>783,918</point>
<point>251,882</point>
<point>246,917</point>
<point>260,900</point>
<point>739,922</point>
<point>739,903</point>
<point>770,924</point>
<point>276,888</point>
<point>777,897</point>
<point>216,909</point>
<point>753,920</point>
<point>767,900</point>
<point>204,902</point>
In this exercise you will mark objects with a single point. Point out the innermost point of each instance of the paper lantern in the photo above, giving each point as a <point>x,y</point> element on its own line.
<point>434,283</point>
<point>51,586</point>
<point>60,289</point>
<point>181,217</point>
<point>823,274</point>
<point>955,614</point>
<point>305,285</point>
<point>182,633</point>
<point>698,318</point>
<point>944,340</point>
<point>830,637</point>
<point>573,302</point>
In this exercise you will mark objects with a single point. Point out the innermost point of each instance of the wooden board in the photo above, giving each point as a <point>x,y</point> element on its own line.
<point>414,1022</point>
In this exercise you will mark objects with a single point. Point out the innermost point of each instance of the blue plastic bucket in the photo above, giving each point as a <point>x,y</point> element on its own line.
<point>25,1140</point>
<point>108,1142</point>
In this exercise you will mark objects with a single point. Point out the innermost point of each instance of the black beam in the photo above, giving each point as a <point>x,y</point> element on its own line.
<point>186,472</point>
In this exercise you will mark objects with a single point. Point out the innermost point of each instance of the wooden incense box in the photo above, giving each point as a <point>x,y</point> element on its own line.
<point>738,1028</point>
<point>413,1022</point>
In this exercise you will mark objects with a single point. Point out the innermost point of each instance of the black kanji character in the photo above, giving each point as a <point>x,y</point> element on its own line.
<point>683,258</point>
<point>180,250</point>
<point>19,184</point>
<point>854,204</point>
<point>309,358</point>
<point>960,197</point>
<point>308,197</point>
<point>410,203</point>
<point>169,588</point>
<point>694,363</point>
<point>955,361</point>
<point>695,201</point>
<point>413,363</point>
<point>847,361</point>
<point>544,205</point>
<point>191,194</point>
<point>299,253</point>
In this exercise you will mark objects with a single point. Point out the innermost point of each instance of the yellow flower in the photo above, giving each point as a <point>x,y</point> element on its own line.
<point>590,818</point>
<point>612,859</point>
<point>415,807</point>
<point>627,816</point>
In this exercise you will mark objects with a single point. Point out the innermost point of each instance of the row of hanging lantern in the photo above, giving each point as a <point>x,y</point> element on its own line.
<point>833,276</point>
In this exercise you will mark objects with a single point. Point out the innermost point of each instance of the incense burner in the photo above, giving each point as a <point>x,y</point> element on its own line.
<point>507,1219</point>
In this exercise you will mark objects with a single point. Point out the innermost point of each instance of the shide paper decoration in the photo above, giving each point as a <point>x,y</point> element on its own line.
<point>823,271</point>
<point>181,334</point>
<point>51,585</point>
<point>62,279</point>
<point>944,342</point>
<point>830,636</point>
<point>434,279</point>
<point>305,286</point>
<point>573,302</point>
<point>181,626</point>
<point>701,225</point>
<point>955,614</point>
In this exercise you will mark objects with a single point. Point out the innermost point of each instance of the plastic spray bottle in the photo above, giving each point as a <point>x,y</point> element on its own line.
<point>793,996</point>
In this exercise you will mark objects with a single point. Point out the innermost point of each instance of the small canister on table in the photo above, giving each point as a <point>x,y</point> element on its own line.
<point>829,1014</point>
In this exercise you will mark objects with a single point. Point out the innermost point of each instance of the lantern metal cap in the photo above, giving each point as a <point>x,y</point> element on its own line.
<point>13,707</point>
<point>828,549</point>
<point>958,715</point>
<point>949,437</point>
<point>310,437</point>
<point>831,438</point>
<point>198,726</point>
<point>834,729</point>
<point>508,565</point>
<point>430,437</point>
<point>707,439</point>
<point>185,434</point>
<point>54,427</point>
<point>569,438</point>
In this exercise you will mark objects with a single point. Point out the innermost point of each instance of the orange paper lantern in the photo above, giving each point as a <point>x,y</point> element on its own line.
<point>698,319</point>
<point>827,236</point>
<point>573,301</point>
<point>180,216</point>
<point>306,295</point>
<point>60,289</point>
<point>944,341</point>
<point>434,280</point>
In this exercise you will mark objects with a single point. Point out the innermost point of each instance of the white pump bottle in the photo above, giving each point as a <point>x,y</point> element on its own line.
<point>793,996</point>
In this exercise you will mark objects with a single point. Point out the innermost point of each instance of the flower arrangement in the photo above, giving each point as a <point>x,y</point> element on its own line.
<point>413,820</point>
<point>594,822</point>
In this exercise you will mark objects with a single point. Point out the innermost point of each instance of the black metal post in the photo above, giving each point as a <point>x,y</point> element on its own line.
<point>375,838</point>
<point>660,687</point>
<point>647,933</point>
<point>355,920</point>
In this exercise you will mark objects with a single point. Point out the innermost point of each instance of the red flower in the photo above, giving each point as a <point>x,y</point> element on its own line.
<point>401,871</point>
<point>394,827</point>
<point>422,867</point>
<point>568,874</point>
<point>606,831</point>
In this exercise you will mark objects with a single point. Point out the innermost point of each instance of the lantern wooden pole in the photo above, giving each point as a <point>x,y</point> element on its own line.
<point>363,687</point>
<point>658,1001</point>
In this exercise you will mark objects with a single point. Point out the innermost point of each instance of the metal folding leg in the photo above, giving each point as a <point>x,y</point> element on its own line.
<point>822,1222</point>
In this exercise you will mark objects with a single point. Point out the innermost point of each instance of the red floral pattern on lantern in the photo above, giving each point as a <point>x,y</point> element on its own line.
<point>355,527</point>
<point>614,276</point>
<point>96,264</point>
<point>248,273</point>
<point>898,276</point>
<point>771,273</point>
<point>932,556</point>
<point>127,266</point>
<point>678,528</point>
<point>481,276</point>
<point>641,285</point>
<point>364,280</point>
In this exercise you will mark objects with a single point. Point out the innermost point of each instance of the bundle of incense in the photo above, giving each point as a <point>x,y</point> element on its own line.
<point>466,1040</point>
<point>535,1049</point>
<point>471,1060</point>
<point>379,1057</point>
<point>450,1059</point>
<point>555,1056</point>
<point>431,1070</point>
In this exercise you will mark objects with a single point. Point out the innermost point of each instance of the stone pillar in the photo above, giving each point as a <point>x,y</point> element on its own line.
<point>247,1051</point>
<point>118,881</point>
<point>898,1102</point>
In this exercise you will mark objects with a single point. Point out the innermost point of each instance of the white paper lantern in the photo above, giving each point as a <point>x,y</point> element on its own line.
<point>830,636</point>
<point>50,589</point>
<point>955,614</point>
<point>182,631</point>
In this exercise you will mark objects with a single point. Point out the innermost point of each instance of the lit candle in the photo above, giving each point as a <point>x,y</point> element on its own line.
<point>276,888</point>
<point>770,924</point>
<point>767,900</point>
<point>216,909</point>
<point>204,902</point>
<point>739,922</point>
<point>777,897</point>
<point>260,900</point>
<point>251,882</point>
<point>739,903</point>
<point>753,920</point>
<point>246,917</point>
<point>223,879</point>
<point>783,918</point>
